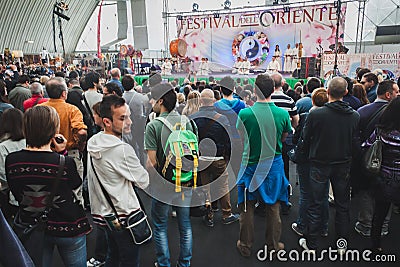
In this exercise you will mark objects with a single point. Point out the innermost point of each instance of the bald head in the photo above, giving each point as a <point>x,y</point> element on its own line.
<point>36,88</point>
<point>207,97</point>
<point>337,88</point>
<point>277,77</point>
<point>115,73</point>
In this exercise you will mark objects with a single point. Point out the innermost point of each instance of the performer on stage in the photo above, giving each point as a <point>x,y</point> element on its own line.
<point>204,68</point>
<point>237,66</point>
<point>278,55</point>
<point>341,48</point>
<point>287,67</point>
<point>166,68</point>
<point>274,65</point>
<point>245,66</point>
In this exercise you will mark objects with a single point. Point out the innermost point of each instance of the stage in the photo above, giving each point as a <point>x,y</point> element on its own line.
<point>140,79</point>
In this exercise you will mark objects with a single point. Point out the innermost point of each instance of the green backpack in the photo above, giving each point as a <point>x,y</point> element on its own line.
<point>181,150</point>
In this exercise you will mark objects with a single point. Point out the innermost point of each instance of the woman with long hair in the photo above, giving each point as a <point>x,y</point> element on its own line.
<point>387,190</point>
<point>12,139</point>
<point>360,93</point>
<point>193,103</point>
<point>31,175</point>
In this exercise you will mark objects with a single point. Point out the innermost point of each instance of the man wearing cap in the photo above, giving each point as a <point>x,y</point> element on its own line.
<point>163,191</point>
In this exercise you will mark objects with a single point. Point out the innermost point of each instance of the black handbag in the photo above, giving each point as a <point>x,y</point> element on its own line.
<point>372,158</point>
<point>298,153</point>
<point>136,222</point>
<point>31,235</point>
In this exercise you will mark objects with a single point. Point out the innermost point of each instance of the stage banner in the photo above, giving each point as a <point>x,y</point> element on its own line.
<point>223,37</point>
<point>347,64</point>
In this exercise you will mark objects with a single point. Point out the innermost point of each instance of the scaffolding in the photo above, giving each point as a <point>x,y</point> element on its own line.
<point>360,25</point>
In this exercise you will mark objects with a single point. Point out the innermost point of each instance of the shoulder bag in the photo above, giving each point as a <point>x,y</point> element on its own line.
<point>372,158</point>
<point>136,222</point>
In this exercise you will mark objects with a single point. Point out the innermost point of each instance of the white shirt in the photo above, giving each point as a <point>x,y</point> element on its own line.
<point>274,66</point>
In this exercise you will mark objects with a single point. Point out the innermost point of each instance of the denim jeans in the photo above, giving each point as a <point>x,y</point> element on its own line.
<point>303,170</point>
<point>160,213</point>
<point>122,252</point>
<point>320,175</point>
<point>71,249</point>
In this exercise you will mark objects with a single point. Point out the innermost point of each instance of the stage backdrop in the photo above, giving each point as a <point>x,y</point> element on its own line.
<point>347,64</point>
<point>255,34</point>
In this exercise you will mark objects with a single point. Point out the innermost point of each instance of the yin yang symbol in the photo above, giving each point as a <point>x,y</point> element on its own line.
<point>250,48</point>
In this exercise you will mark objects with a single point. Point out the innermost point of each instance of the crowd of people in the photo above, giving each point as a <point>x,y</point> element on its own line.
<point>71,143</point>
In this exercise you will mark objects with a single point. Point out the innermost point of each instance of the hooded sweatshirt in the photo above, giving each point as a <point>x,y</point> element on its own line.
<point>329,133</point>
<point>230,108</point>
<point>117,166</point>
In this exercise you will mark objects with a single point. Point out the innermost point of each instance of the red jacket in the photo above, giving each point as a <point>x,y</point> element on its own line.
<point>33,101</point>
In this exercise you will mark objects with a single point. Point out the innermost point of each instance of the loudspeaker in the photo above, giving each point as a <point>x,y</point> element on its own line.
<point>307,67</point>
<point>140,34</point>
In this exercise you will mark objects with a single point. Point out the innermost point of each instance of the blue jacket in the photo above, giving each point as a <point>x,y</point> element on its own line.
<point>230,108</point>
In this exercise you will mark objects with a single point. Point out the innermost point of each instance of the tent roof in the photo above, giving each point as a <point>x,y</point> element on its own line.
<point>31,20</point>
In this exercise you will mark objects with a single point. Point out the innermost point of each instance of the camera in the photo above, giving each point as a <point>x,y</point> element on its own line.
<point>59,140</point>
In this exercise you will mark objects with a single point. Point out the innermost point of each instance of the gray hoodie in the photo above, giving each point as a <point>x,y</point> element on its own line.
<point>117,167</point>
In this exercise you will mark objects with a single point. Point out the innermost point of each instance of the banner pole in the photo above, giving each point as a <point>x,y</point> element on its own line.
<point>338,12</point>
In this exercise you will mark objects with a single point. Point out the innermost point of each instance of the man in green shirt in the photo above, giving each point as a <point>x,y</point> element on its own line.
<point>263,128</point>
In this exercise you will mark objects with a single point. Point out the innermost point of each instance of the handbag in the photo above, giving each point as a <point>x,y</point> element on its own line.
<point>32,235</point>
<point>136,222</point>
<point>372,158</point>
<point>298,154</point>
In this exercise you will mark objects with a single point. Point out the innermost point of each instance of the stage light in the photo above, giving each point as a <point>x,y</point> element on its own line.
<point>286,9</point>
<point>62,5</point>
<point>324,9</point>
<point>227,4</point>
<point>195,7</point>
<point>336,4</point>
<point>216,15</point>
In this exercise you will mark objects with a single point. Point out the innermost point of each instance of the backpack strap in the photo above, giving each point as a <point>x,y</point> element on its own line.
<point>166,123</point>
<point>195,163</point>
<point>178,167</point>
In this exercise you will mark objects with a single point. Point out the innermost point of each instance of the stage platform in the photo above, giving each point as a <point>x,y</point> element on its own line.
<point>140,79</point>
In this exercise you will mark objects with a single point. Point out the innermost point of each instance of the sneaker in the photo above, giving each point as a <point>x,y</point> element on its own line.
<point>94,263</point>
<point>362,230</point>
<point>231,219</point>
<point>303,244</point>
<point>384,232</point>
<point>324,233</point>
<point>296,229</point>
<point>209,222</point>
<point>244,251</point>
